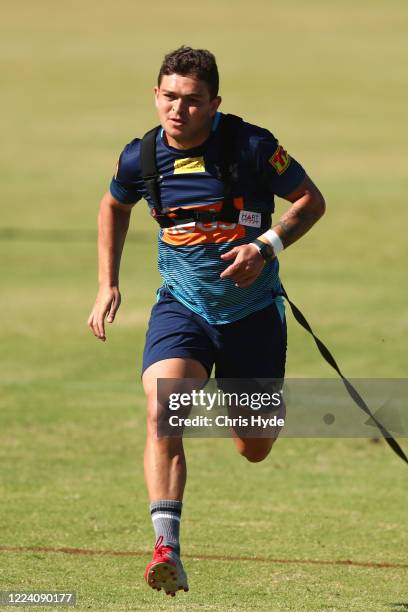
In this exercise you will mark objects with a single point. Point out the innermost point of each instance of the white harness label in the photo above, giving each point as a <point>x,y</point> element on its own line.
<point>251,219</point>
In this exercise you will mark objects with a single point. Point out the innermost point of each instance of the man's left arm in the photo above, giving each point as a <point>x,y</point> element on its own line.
<point>308,206</point>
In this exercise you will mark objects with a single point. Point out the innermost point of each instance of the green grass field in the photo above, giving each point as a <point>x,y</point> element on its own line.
<point>328,78</point>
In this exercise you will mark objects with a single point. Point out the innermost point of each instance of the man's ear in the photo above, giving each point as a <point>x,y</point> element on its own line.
<point>215,103</point>
<point>156,95</point>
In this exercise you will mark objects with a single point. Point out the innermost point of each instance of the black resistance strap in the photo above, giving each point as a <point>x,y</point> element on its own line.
<point>352,391</point>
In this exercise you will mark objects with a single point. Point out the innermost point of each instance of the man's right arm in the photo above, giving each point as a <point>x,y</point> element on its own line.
<point>113,223</point>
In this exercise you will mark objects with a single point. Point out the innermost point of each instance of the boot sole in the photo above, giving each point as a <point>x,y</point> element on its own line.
<point>164,576</point>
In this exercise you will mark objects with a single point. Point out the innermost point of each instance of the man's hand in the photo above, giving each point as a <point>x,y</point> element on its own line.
<point>247,266</point>
<point>106,305</point>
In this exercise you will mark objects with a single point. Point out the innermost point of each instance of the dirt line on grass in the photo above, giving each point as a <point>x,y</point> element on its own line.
<point>140,553</point>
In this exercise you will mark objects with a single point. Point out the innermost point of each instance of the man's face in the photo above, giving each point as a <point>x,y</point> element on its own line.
<point>185,110</point>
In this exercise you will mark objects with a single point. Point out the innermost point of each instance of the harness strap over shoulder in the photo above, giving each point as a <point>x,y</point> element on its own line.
<point>228,131</point>
<point>148,162</point>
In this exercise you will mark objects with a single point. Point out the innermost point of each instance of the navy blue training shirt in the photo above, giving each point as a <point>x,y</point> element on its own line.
<point>189,254</point>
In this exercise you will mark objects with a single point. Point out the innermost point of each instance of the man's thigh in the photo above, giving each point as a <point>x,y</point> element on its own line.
<point>174,373</point>
<point>174,332</point>
<point>164,383</point>
<point>253,347</point>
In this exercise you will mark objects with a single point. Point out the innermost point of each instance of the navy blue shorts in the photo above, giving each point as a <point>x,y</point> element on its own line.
<point>253,347</point>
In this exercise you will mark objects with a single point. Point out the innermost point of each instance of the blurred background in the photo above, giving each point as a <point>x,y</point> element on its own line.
<point>329,80</point>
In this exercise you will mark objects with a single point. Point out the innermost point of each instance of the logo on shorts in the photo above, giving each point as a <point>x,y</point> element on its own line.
<point>250,219</point>
<point>280,160</point>
<point>189,164</point>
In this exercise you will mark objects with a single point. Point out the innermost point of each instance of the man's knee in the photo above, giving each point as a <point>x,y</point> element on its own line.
<point>255,450</point>
<point>156,418</point>
<point>159,429</point>
<point>256,455</point>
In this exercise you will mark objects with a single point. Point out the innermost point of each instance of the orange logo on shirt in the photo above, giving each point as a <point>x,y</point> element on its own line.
<point>280,160</point>
<point>189,234</point>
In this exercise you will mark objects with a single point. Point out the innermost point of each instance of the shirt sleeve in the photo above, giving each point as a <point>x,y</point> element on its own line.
<point>127,185</point>
<point>279,172</point>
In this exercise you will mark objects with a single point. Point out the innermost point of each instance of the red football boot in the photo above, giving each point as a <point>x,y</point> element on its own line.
<point>165,571</point>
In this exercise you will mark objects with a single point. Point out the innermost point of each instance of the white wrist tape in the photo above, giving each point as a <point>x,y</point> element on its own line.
<point>272,237</point>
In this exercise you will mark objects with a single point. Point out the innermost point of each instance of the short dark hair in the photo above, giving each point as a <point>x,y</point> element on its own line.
<point>198,63</point>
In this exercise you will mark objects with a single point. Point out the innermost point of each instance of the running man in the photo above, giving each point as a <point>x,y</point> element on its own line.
<point>217,256</point>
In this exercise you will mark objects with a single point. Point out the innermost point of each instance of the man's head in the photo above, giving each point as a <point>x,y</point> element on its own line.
<point>197,63</point>
<point>187,95</point>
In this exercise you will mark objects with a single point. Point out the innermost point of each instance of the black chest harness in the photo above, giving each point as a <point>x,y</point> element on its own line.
<point>228,129</point>
<point>229,126</point>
